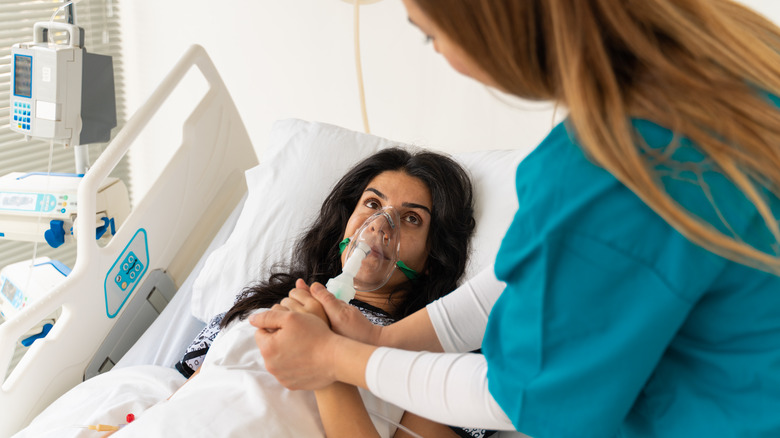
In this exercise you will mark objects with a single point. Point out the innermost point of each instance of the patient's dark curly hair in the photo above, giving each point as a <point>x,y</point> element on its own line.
<point>316,255</point>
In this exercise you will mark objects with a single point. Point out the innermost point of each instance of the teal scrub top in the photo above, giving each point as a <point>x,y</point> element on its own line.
<point>613,323</point>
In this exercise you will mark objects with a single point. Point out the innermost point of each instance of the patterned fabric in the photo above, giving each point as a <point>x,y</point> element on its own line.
<point>465,432</point>
<point>196,352</point>
<point>376,315</point>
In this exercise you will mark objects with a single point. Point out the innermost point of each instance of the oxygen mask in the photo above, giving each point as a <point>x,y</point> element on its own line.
<point>371,255</point>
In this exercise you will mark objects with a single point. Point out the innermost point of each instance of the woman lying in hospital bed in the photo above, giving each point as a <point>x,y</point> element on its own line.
<point>430,198</point>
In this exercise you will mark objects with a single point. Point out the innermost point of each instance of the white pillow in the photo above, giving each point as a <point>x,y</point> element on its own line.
<point>495,201</point>
<point>303,162</point>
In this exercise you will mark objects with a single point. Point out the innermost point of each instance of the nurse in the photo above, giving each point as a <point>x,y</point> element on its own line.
<point>642,293</point>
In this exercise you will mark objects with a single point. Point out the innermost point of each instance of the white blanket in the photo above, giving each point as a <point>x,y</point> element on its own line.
<point>233,395</point>
<point>104,399</point>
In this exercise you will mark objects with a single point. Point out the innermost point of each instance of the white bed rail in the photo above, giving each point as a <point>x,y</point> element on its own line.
<point>173,224</point>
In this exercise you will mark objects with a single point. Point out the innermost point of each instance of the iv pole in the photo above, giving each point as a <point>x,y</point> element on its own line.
<point>80,151</point>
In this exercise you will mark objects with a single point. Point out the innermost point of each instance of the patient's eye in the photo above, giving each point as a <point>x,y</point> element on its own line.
<point>413,218</point>
<point>372,204</point>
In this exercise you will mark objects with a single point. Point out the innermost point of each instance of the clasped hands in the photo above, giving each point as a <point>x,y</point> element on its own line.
<point>299,337</point>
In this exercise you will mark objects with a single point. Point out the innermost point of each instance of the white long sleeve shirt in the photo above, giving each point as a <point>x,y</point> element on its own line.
<point>450,387</point>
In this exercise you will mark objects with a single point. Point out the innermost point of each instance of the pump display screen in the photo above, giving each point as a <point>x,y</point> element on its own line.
<point>9,290</point>
<point>17,201</point>
<point>23,75</point>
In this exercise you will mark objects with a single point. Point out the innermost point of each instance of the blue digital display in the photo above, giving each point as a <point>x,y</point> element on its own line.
<point>27,202</point>
<point>23,75</point>
<point>10,292</point>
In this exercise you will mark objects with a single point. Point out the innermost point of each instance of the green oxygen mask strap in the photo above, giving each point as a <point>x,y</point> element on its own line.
<point>343,245</point>
<point>410,273</point>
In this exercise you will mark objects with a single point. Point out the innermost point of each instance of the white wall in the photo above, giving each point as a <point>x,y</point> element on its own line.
<point>294,58</point>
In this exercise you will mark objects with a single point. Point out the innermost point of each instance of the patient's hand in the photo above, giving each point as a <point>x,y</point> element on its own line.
<point>301,301</point>
<point>344,319</point>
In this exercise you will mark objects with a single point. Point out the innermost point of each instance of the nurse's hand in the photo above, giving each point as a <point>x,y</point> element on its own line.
<point>297,347</point>
<point>302,353</point>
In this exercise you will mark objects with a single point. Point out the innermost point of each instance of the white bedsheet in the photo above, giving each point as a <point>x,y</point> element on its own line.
<point>233,395</point>
<point>106,399</point>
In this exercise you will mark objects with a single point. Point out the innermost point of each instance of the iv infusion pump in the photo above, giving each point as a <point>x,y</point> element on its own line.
<point>46,97</point>
<point>60,91</point>
<point>37,207</point>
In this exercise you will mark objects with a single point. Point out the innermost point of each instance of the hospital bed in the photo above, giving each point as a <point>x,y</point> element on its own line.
<point>167,231</point>
<point>213,222</point>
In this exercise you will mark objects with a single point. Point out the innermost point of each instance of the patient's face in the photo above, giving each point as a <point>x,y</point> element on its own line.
<point>412,199</point>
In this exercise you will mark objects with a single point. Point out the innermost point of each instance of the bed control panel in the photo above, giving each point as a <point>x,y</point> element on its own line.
<point>131,268</point>
<point>125,273</point>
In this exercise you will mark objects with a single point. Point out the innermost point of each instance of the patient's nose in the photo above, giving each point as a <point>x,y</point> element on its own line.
<point>382,228</point>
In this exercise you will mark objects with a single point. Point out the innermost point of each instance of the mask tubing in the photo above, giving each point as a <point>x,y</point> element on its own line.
<point>389,421</point>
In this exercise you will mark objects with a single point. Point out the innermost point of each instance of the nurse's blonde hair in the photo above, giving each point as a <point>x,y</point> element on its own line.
<point>693,66</point>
